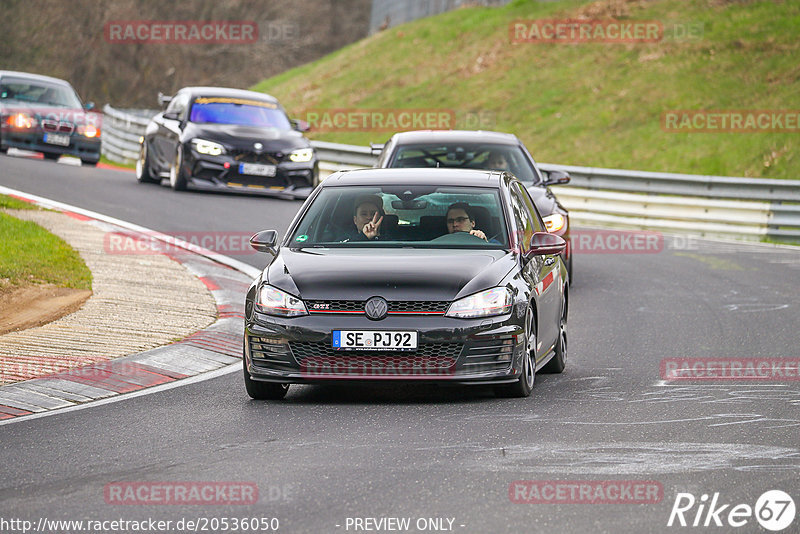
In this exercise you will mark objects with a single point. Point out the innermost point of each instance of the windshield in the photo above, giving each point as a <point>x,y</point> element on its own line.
<point>409,216</point>
<point>497,157</point>
<point>243,112</point>
<point>38,93</point>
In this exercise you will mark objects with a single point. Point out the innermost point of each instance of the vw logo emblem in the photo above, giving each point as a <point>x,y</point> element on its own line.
<point>376,308</point>
<point>258,146</point>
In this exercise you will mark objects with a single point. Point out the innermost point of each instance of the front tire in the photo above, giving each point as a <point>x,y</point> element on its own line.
<point>177,179</point>
<point>143,173</point>
<point>524,384</point>
<point>263,390</point>
<point>51,156</point>
<point>89,163</point>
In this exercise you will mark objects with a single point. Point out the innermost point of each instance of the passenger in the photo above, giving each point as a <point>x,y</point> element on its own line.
<point>367,218</point>
<point>460,218</point>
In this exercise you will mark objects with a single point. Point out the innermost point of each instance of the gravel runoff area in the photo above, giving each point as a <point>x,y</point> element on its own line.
<point>156,317</point>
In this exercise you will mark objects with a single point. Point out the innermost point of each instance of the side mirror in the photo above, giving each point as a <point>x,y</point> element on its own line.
<point>171,116</point>
<point>265,241</point>
<point>557,178</point>
<point>163,99</point>
<point>543,243</point>
<point>89,106</point>
<point>300,125</point>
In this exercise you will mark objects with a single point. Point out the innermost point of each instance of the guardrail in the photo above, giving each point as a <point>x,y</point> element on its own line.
<point>711,206</point>
<point>121,132</point>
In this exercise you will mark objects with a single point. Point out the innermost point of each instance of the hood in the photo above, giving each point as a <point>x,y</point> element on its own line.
<point>394,274</point>
<point>237,136</point>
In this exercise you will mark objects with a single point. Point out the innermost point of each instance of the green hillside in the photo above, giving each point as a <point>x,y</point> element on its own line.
<point>587,103</point>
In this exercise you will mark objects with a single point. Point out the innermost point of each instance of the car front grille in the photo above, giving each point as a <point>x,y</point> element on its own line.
<point>248,156</point>
<point>50,125</point>
<point>430,359</point>
<point>404,307</point>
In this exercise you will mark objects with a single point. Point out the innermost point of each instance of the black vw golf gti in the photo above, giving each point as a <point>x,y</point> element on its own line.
<point>230,140</point>
<point>409,274</point>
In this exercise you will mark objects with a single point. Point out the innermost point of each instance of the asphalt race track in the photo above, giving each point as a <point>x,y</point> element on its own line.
<point>329,455</point>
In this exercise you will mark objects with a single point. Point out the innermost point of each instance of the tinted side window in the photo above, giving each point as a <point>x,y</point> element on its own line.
<point>522,220</point>
<point>530,207</point>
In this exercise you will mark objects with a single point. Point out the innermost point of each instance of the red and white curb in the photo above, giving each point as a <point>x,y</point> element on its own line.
<point>210,352</point>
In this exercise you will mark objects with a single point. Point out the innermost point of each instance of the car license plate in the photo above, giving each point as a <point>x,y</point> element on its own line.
<point>255,169</point>
<point>56,139</point>
<point>374,340</point>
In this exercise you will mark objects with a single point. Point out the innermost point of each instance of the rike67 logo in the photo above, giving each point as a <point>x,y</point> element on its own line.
<point>774,510</point>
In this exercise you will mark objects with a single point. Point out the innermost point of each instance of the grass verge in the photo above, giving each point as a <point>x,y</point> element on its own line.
<point>590,103</point>
<point>29,254</point>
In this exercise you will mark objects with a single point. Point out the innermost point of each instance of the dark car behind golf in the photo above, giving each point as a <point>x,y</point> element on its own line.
<point>414,303</point>
<point>227,140</point>
<point>44,114</point>
<point>464,149</point>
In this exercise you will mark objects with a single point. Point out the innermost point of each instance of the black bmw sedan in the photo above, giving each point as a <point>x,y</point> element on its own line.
<point>45,114</point>
<point>409,274</point>
<point>230,140</point>
<point>464,149</point>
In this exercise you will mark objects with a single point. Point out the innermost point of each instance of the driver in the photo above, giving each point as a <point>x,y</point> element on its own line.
<point>367,218</point>
<point>496,161</point>
<point>460,218</point>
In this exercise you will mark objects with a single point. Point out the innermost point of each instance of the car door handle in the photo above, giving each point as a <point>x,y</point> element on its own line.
<point>549,261</point>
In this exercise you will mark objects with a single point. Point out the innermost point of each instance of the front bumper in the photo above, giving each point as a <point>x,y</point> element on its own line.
<point>455,351</point>
<point>293,180</point>
<point>85,148</point>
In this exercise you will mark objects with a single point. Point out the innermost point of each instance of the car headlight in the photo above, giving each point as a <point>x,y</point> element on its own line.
<point>302,155</point>
<point>208,147</point>
<point>21,120</point>
<point>554,222</point>
<point>88,130</point>
<point>273,301</point>
<point>495,301</point>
